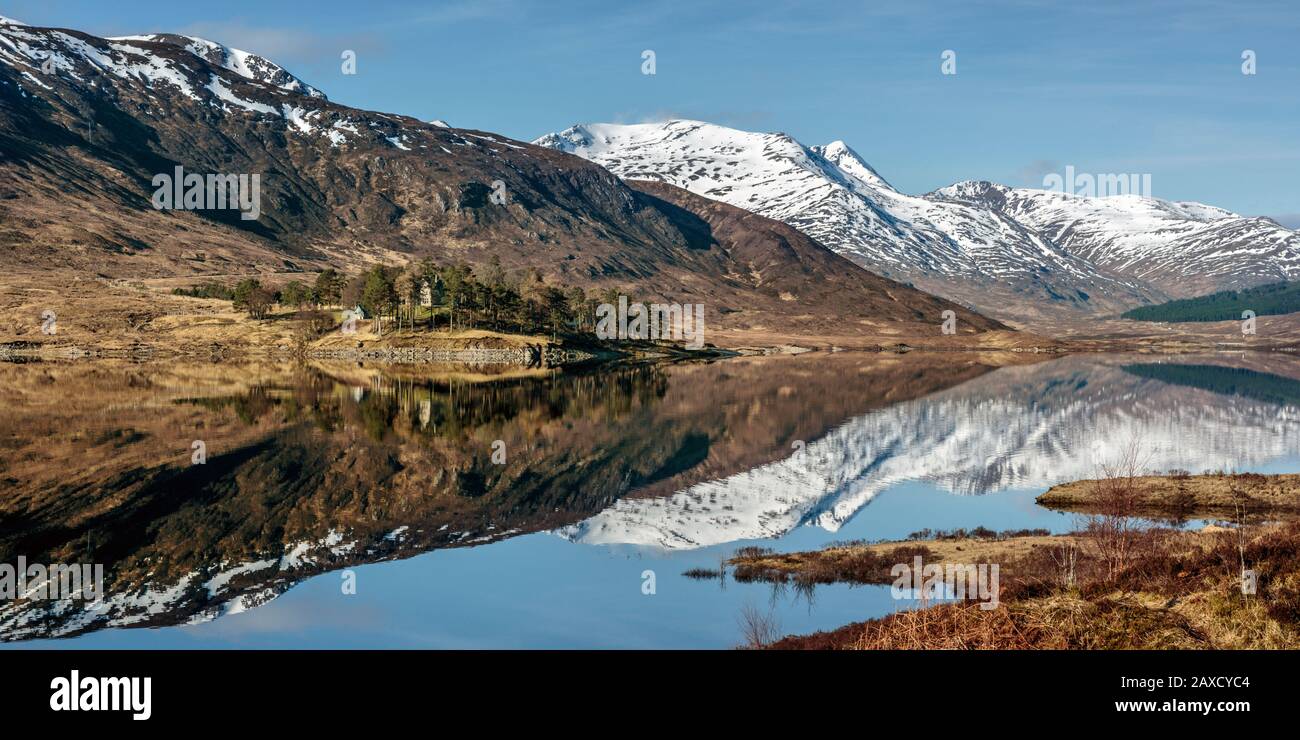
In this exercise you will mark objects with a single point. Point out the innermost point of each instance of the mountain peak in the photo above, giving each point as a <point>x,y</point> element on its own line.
<point>973,191</point>
<point>596,136</point>
<point>10,21</point>
<point>245,64</point>
<point>852,163</point>
<point>567,140</point>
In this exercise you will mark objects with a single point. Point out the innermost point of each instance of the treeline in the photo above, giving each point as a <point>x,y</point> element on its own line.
<point>426,295</point>
<point>249,295</point>
<point>1228,305</point>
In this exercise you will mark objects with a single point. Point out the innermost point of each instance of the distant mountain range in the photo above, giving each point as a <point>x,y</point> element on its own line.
<point>1013,253</point>
<point>86,123</point>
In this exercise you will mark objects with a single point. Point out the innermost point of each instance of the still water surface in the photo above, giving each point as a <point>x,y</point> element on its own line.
<point>385,474</point>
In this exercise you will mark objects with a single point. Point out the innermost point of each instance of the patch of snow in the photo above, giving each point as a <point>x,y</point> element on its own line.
<point>218,88</point>
<point>298,118</point>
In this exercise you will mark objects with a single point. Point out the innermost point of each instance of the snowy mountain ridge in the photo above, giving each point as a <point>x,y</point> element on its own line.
<point>1153,240</point>
<point>243,63</point>
<point>990,246</point>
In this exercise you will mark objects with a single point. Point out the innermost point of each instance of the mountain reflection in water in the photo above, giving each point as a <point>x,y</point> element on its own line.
<point>313,469</point>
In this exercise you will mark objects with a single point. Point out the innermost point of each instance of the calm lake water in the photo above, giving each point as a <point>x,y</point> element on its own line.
<point>492,507</point>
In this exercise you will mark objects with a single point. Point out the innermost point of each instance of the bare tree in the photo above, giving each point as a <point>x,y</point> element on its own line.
<point>259,302</point>
<point>758,628</point>
<point>1115,529</point>
<point>1239,497</point>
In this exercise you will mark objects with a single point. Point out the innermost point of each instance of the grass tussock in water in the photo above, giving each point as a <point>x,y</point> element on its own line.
<point>851,564</point>
<point>1180,494</point>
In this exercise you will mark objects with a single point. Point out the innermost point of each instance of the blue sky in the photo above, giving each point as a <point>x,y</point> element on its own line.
<point>1109,87</point>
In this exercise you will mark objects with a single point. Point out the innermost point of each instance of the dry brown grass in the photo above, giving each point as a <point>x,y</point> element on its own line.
<point>852,564</point>
<point>1183,495</point>
<point>871,563</point>
<point>1059,622</point>
<point>1175,590</point>
<point>117,316</point>
<point>1116,584</point>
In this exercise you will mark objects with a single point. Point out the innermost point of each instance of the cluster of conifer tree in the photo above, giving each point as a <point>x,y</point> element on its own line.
<point>427,295</point>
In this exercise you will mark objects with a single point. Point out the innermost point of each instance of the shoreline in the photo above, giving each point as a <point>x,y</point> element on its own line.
<point>566,351</point>
<point>114,318</point>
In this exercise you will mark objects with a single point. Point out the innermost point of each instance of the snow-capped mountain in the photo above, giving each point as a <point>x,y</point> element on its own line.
<point>245,64</point>
<point>1009,258</point>
<point>1183,248</point>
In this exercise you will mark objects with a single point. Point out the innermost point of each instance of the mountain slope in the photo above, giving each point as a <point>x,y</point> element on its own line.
<point>778,265</point>
<point>338,185</point>
<point>998,249</point>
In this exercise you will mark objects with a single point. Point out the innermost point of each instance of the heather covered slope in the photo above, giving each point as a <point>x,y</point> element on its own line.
<point>336,181</point>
